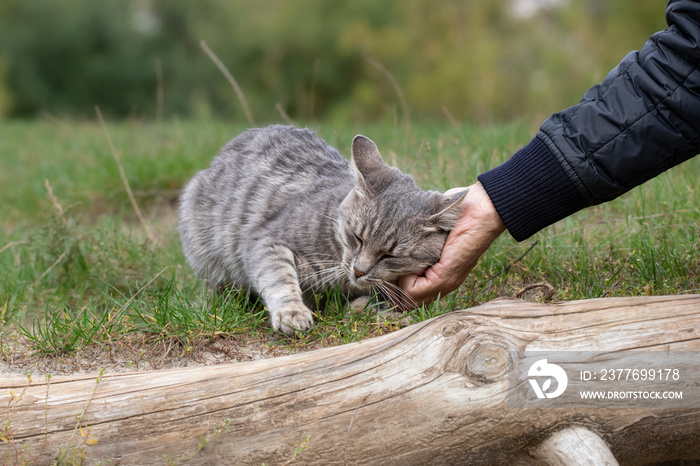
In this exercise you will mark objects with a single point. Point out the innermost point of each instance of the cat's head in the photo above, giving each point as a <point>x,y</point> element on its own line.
<point>388,226</point>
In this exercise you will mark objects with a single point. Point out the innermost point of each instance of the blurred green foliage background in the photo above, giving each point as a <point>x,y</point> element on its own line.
<point>475,60</point>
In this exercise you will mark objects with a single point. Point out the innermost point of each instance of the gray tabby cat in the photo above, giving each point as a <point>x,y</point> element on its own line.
<point>281,212</point>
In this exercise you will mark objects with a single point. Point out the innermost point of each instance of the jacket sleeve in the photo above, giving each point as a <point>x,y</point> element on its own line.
<point>643,119</point>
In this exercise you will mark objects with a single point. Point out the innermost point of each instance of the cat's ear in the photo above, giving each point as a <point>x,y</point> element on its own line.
<point>366,156</point>
<point>448,216</point>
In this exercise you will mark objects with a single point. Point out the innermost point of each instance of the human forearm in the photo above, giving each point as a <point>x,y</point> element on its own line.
<point>643,119</point>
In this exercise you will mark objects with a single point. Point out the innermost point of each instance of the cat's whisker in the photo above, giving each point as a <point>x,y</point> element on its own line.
<point>318,278</point>
<point>320,263</point>
<point>319,282</point>
<point>320,254</point>
<point>330,259</point>
<point>310,284</point>
<point>334,220</point>
<point>389,294</point>
<point>325,265</point>
<point>305,273</point>
<point>407,299</point>
<point>404,297</point>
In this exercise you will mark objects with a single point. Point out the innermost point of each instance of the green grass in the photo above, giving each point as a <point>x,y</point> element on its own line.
<point>79,270</point>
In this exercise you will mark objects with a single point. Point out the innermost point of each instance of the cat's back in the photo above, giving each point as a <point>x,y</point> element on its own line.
<point>275,162</point>
<point>281,150</point>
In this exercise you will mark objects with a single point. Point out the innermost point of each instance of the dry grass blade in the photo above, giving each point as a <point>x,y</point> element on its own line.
<point>230,79</point>
<point>117,159</point>
<point>53,198</point>
<point>450,118</point>
<point>313,89</point>
<point>399,92</point>
<point>12,244</point>
<point>126,304</point>
<point>46,272</point>
<point>507,267</point>
<point>284,115</point>
<point>159,91</point>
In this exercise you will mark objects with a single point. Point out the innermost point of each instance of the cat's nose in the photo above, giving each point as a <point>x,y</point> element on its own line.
<point>358,273</point>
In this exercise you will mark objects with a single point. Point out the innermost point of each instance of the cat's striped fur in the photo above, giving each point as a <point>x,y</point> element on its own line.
<point>283,213</point>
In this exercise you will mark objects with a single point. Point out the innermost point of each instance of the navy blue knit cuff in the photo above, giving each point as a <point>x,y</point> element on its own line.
<point>531,191</point>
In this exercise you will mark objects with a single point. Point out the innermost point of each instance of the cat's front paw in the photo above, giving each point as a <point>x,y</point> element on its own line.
<point>292,319</point>
<point>357,305</point>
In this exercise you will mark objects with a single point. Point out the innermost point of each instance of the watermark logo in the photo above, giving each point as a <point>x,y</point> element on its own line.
<point>541,369</point>
<point>598,379</point>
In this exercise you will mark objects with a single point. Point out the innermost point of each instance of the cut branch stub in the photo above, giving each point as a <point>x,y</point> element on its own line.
<point>574,446</point>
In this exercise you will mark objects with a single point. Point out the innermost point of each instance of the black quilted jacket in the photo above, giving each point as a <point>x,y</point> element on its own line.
<point>642,120</point>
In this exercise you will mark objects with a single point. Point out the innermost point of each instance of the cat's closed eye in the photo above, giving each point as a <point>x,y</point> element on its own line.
<point>358,240</point>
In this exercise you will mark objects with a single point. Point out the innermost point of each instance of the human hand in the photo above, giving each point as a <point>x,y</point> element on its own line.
<point>478,227</point>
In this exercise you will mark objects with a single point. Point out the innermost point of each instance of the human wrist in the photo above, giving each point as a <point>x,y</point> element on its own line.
<point>491,220</point>
<point>479,226</point>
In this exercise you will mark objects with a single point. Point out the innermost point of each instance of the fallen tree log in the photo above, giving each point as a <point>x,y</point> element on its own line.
<point>432,393</point>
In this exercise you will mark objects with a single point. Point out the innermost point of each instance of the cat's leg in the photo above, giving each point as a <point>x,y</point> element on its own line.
<point>385,311</point>
<point>359,304</point>
<point>274,277</point>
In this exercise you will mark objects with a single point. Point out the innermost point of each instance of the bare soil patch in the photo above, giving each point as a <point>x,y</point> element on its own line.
<point>139,352</point>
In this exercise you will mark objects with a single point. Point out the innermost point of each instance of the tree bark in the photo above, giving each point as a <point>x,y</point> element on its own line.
<point>431,393</point>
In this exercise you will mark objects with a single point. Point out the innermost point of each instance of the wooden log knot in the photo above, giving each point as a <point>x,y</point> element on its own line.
<point>478,351</point>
